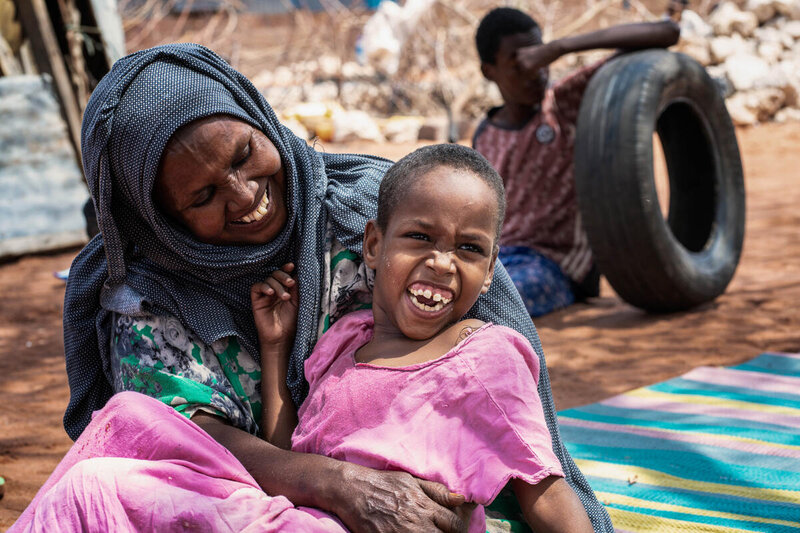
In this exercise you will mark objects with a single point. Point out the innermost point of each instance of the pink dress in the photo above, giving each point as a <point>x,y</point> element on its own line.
<point>470,419</point>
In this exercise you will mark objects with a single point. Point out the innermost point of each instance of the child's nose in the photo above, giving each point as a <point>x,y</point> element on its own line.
<point>442,262</point>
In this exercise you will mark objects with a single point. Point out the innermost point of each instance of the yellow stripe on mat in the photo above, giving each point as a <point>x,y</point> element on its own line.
<point>647,476</point>
<point>619,499</point>
<point>638,523</point>
<point>713,401</point>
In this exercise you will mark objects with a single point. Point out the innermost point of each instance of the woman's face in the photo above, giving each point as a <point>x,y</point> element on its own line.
<point>223,180</point>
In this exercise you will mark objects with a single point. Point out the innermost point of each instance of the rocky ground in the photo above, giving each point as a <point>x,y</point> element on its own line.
<point>594,350</point>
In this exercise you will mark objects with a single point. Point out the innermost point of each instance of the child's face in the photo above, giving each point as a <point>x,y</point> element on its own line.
<point>517,86</point>
<point>436,255</point>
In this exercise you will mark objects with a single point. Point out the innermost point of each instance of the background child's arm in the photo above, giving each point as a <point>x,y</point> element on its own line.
<point>552,505</point>
<point>627,37</point>
<point>275,314</point>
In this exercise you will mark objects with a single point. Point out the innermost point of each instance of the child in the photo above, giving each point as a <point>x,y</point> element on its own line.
<point>530,141</point>
<point>411,385</point>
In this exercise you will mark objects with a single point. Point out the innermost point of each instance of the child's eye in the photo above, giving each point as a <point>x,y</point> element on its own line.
<point>474,248</point>
<point>417,236</point>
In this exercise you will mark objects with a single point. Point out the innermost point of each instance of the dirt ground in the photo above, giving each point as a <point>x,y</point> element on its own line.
<point>593,350</point>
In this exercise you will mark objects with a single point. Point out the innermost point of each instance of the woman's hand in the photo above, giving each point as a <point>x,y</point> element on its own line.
<point>389,501</point>
<point>275,307</point>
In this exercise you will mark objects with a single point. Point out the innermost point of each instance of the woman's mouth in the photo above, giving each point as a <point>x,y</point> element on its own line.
<point>429,298</point>
<point>256,214</point>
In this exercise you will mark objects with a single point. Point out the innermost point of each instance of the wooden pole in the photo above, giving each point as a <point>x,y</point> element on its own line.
<point>39,30</point>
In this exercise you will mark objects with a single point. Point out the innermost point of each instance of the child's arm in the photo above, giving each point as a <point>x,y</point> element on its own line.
<point>275,314</point>
<point>552,505</point>
<point>626,37</point>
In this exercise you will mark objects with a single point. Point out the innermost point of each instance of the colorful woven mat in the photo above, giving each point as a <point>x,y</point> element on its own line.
<point>714,450</point>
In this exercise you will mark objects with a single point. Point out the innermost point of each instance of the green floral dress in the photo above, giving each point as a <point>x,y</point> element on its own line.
<point>157,356</point>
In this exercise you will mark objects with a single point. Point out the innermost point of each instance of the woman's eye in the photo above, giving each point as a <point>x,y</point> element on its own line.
<point>204,198</point>
<point>243,157</point>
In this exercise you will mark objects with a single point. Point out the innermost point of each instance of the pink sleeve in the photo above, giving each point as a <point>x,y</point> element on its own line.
<point>512,423</point>
<point>351,329</point>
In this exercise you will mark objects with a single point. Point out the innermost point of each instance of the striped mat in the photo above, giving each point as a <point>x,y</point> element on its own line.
<point>717,449</point>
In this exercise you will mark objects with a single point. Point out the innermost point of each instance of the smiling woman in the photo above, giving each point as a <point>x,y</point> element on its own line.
<point>201,193</point>
<point>223,193</point>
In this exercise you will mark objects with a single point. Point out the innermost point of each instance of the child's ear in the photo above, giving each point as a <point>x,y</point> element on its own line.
<point>372,243</point>
<point>490,275</point>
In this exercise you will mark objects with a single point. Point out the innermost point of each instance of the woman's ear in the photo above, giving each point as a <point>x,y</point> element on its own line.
<point>490,274</point>
<point>372,244</point>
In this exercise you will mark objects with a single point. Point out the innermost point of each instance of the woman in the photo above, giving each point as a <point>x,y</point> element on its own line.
<point>200,192</point>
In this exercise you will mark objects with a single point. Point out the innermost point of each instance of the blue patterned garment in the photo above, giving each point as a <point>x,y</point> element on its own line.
<point>142,264</point>
<point>539,280</point>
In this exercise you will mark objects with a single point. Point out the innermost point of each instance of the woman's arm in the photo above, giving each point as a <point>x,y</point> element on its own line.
<point>552,505</point>
<point>626,37</point>
<point>364,499</point>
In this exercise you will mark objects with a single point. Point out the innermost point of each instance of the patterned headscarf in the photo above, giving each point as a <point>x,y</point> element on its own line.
<point>144,264</point>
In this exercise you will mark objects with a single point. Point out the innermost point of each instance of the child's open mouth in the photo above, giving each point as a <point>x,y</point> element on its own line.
<point>429,298</point>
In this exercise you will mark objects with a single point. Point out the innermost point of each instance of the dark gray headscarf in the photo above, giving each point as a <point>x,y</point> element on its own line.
<point>144,264</point>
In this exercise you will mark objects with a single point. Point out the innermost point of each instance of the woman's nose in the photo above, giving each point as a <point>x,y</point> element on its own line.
<point>241,193</point>
<point>441,262</point>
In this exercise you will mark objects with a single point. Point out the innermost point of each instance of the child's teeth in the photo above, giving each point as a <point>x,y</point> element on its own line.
<point>427,294</point>
<point>437,297</point>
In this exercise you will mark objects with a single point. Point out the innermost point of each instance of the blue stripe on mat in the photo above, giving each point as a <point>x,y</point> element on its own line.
<point>711,425</point>
<point>674,452</point>
<point>685,386</point>
<point>683,421</point>
<point>772,364</point>
<point>700,500</point>
<point>689,466</point>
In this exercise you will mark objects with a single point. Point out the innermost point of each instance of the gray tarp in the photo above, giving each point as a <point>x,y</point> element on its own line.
<point>41,186</point>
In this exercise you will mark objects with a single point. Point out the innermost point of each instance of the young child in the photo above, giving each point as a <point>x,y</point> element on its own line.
<point>411,385</point>
<point>530,141</point>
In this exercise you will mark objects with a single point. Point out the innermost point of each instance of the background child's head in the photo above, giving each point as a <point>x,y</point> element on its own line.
<point>434,243</point>
<point>500,34</point>
<point>401,177</point>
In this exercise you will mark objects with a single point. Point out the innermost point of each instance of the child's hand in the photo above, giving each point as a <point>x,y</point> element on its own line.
<point>533,58</point>
<point>275,303</point>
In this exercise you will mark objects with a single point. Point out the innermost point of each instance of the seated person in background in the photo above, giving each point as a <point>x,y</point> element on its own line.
<point>411,385</point>
<point>530,141</point>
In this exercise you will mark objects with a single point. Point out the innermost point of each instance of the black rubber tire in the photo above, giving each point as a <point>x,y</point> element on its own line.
<point>689,258</point>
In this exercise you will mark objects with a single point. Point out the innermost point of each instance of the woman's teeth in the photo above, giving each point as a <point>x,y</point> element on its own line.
<point>428,295</point>
<point>258,213</point>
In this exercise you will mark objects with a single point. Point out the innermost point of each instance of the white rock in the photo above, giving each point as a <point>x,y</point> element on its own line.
<point>770,52</point>
<point>791,70</point>
<point>740,113</point>
<point>355,126</point>
<point>792,29</point>
<point>328,66</point>
<point>762,9</point>
<point>788,8</point>
<point>788,114</point>
<point>296,127</point>
<point>696,48</point>
<point>759,104</point>
<point>770,34</point>
<point>693,25</point>
<point>745,70</point>
<point>728,18</point>
<point>724,47</point>
<point>401,129</point>
<point>324,91</point>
